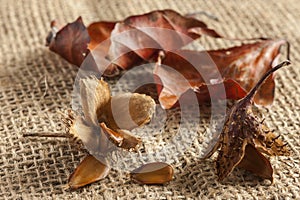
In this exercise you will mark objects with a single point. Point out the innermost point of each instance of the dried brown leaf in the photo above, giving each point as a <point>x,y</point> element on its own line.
<point>70,42</point>
<point>144,37</point>
<point>99,32</point>
<point>247,63</point>
<point>237,69</point>
<point>149,33</point>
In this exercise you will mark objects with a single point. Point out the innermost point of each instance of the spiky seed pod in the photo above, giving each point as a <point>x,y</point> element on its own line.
<point>244,138</point>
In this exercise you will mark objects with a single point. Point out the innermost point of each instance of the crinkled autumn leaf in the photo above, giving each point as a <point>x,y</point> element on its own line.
<point>149,33</point>
<point>236,69</point>
<point>99,32</point>
<point>74,41</point>
<point>244,138</point>
<point>70,42</point>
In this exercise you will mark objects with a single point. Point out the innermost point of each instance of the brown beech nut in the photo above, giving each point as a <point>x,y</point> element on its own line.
<point>88,171</point>
<point>153,173</point>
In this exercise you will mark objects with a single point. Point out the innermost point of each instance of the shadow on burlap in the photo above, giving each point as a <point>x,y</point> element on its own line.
<point>35,85</point>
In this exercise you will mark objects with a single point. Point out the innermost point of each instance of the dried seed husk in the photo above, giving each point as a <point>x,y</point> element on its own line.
<point>256,163</point>
<point>153,173</point>
<point>95,95</point>
<point>88,171</point>
<point>118,114</point>
<point>244,138</point>
<point>90,135</point>
<point>121,138</point>
<point>271,144</point>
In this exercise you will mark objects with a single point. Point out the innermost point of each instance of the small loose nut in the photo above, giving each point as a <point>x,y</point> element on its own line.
<point>88,171</point>
<point>153,173</point>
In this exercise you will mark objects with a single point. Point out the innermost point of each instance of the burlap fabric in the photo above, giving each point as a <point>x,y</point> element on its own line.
<point>35,84</point>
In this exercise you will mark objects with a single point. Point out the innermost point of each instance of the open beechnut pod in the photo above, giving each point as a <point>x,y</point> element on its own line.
<point>245,138</point>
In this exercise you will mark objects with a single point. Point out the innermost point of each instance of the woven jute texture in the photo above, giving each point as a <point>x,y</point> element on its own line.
<point>36,85</point>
